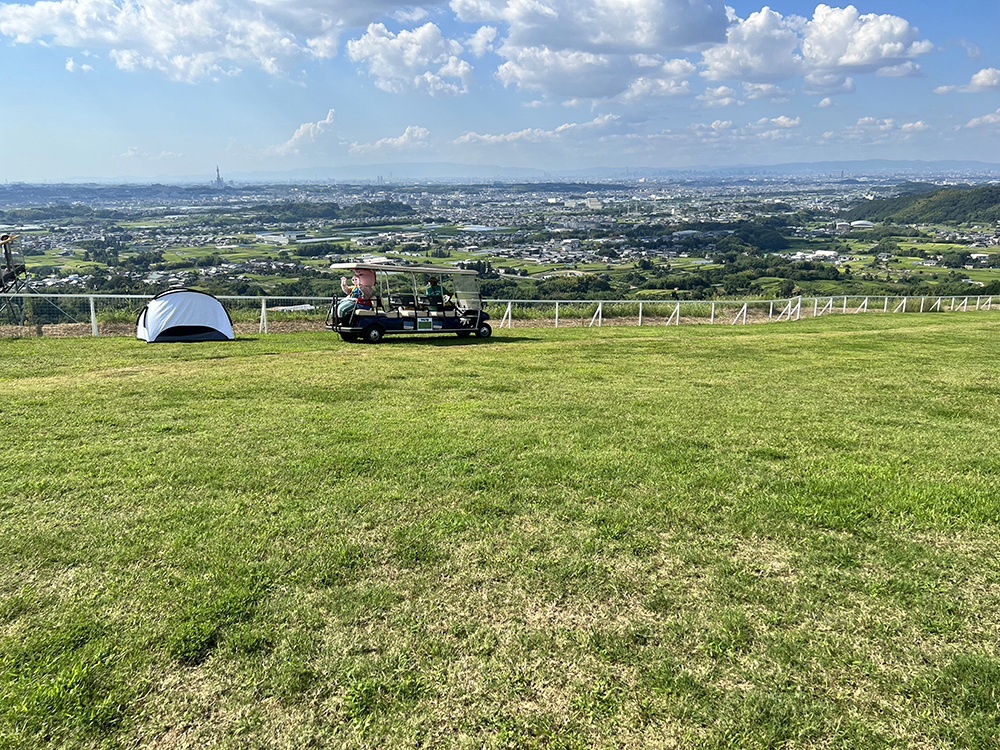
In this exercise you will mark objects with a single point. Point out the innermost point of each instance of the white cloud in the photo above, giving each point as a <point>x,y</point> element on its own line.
<point>843,38</point>
<point>874,131</point>
<point>987,79</point>
<point>990,120</point>
<point>73,67</point>
<point>826,84</point>
<point>602,26</point>
<point>768,91</point>
<point>971,50</point>
<point>725,134</point>
<point>589,75</point>
<point>412,137</point>
<point>567,131</point>
<point>562,72</point>
<point>908,69</point>
<point>761,49</point>
<point>767,47</point>
<point>646,88</point>
<point>825,103</point>
<point>482,41</point>
<point>194,39</point>
<point>597,49</point>
<point>721,96</point>
<point>306,133</point>
<point>422,60</point>
<point>410,15</point>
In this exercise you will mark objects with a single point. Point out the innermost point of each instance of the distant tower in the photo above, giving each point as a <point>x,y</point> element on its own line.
<point>218,179</point>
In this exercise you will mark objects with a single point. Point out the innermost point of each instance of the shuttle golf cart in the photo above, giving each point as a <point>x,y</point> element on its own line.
<point>407,299</point>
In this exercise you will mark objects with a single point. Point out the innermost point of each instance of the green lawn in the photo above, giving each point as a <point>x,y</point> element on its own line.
<point>766,536</point>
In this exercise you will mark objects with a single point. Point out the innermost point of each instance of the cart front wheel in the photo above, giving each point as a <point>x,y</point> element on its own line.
<point>373,334</point>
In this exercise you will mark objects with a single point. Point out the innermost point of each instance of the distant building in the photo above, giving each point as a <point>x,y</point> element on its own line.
<point>862,225</point>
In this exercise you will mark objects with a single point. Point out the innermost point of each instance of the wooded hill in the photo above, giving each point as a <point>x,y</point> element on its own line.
<point>945,206</point>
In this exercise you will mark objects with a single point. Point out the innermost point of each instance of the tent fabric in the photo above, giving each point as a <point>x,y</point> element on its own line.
<point>184,315</point>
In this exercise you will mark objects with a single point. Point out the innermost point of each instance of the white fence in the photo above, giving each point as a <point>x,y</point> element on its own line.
<point>733,312</point>
<point>115,314</point>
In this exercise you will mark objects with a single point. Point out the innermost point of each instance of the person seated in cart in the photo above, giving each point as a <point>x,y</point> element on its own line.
<point>359,297</point>
<point>435,294</point>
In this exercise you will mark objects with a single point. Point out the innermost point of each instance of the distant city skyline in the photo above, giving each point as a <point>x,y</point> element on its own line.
<point>151,88</point>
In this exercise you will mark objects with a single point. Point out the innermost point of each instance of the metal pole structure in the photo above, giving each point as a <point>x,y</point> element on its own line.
<point>770,314</point>
<point>263,316</point>
<point>557,314</point>
<point>798,310</point>
<point>845,304</point>
<point>712,321</point>
<point>93,318</point>
<point>640,313</point>
<point>922,304</point>
<point>886,308</point>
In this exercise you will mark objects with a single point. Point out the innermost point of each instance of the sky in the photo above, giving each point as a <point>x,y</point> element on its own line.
<point>147,89</point>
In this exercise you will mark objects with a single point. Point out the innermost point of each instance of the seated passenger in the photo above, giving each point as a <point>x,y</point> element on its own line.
<point>359,297</point>
<point>435,294</point>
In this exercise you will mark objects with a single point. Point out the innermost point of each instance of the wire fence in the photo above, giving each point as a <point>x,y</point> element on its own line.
<point>39,314</point>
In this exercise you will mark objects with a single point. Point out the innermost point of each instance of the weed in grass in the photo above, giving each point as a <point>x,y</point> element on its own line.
<point>200,629</point>
<point>73,694</point>
<point>603,699</point>
<point>415,545</point>
<point>969,683</point>
<point>733,635</point>
<point>395,684</point>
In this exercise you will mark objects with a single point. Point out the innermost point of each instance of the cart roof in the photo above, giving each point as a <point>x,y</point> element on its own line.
<point>433,270</point>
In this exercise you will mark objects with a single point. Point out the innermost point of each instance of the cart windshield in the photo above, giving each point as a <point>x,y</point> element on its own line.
<point>467,291</point>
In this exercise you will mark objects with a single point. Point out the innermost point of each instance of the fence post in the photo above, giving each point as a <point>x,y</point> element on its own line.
<point>93,318</point>
<point>845,304</point>
<point>557,314</point>
<point>712,321</point>
<point>741,314</point>
<point>886,308</point>
<point>922,304</point>
<point>640,313</point>
<point>263,316</point>
<point>816,307</point>
<point>598,315</point>
<point>798,309</point>
<point>770,314</point>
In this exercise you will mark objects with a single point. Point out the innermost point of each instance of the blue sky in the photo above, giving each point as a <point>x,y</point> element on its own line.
<point>152,88</point>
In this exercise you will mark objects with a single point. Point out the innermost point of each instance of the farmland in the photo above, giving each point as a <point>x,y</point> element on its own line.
<point>767,536</point>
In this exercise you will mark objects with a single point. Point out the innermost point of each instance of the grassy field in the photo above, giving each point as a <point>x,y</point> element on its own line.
<point>750,537</point>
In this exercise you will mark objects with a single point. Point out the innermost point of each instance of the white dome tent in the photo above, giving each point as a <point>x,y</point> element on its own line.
<point>184,315</point>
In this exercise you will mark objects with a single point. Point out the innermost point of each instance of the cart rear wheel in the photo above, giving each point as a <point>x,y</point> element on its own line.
<point>484,331</point>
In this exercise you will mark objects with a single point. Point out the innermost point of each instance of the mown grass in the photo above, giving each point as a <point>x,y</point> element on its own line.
<point>770,536</point>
